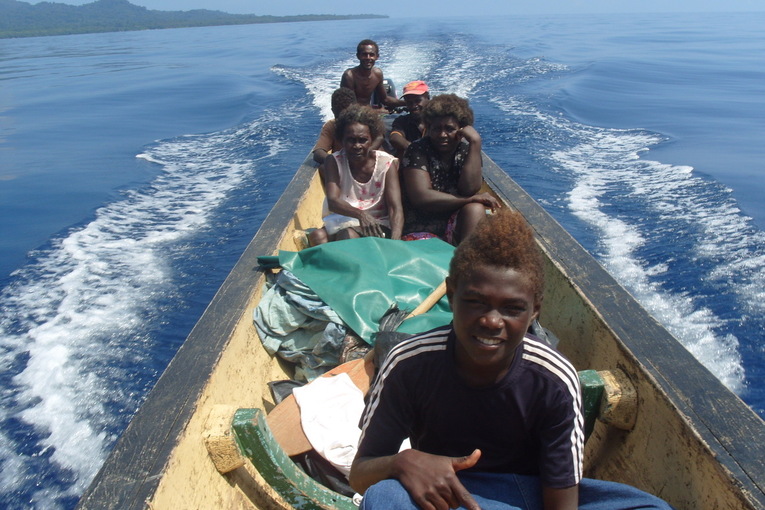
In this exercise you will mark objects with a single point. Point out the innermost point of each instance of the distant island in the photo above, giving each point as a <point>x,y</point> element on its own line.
<point>21,19</point>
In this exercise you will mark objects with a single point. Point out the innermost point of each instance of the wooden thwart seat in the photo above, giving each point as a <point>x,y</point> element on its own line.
<point>608,396</point>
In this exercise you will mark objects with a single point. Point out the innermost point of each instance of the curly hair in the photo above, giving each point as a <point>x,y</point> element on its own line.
<point>367,42</point>
<point>360,114</point>
<point>448,105</point>
<point>342,98</point>
<point>502,240</point>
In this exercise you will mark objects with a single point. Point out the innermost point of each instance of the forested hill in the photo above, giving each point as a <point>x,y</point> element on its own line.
<point>21,19</point>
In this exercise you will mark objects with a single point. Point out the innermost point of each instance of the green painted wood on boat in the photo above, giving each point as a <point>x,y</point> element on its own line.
<point>592,392</point>
<point>257,443</point>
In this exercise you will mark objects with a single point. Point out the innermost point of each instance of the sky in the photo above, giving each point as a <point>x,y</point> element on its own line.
<point>407,8</point>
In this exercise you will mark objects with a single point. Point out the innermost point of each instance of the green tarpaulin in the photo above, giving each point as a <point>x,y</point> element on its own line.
<point>362,278</point>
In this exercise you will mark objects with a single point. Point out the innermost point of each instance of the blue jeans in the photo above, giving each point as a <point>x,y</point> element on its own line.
<point>501,491</point>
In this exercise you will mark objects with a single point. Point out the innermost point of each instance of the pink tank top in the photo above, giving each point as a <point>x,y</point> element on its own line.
<point>367,196</point>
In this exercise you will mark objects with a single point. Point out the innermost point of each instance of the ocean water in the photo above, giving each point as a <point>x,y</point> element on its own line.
<point>135,167</point>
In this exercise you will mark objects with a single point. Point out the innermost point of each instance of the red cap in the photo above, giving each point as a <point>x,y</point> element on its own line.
<point>415,87</point>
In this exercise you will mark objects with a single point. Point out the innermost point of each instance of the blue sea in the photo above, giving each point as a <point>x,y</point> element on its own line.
<point>136,166</point>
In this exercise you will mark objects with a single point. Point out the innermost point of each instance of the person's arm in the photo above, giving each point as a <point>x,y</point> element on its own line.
<point>398,136</point>
<point>431,480</point>
<point>471,177</point>
<point>369,225</point>
<point>325,142</point>
<point>561,435</point>
<point>560,499</point>
<point>399,142</point>
<point>377,143</point>
<point>347,80</point>
<point>419,189</point>
<point>319,155</point>
<point>382,94</point>
<point>393,200</point>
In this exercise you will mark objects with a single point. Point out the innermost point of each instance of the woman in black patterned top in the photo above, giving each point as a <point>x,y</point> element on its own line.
<point>441,175</point>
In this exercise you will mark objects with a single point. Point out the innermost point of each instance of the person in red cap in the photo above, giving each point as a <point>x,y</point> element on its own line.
<point>366,80</point>
<point>408,128</point>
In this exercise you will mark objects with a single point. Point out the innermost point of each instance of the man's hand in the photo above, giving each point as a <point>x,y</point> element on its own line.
<point>431,480</point>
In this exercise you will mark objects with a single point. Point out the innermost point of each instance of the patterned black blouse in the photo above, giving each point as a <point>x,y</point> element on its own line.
<point>422,156</point>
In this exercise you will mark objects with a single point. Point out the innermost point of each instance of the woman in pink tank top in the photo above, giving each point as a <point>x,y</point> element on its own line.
<point>362,185</point>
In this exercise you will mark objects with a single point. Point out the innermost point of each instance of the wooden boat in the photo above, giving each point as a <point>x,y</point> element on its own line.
<point>694,443</point>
